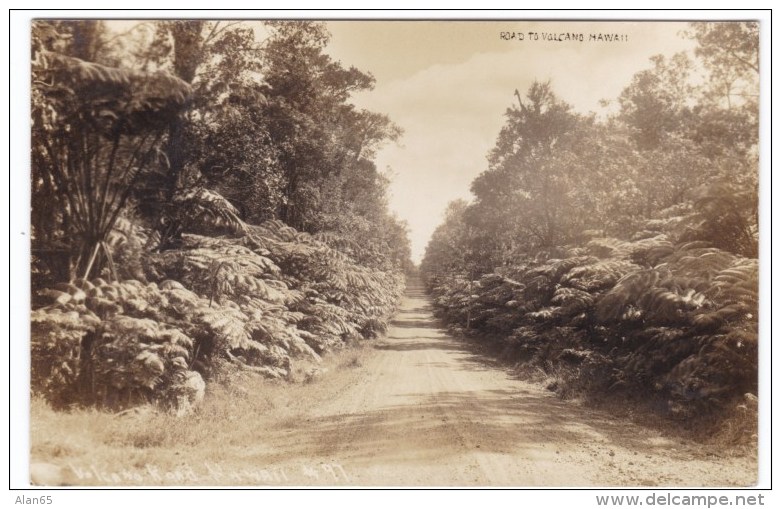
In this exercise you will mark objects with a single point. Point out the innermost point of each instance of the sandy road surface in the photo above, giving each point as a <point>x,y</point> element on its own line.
<point>424,410</point>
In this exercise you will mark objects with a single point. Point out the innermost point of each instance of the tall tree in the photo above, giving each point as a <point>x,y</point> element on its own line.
<point>188,53</point>
<point>518,195</point>
<point>730,52</point>
<point>319,135</point>
<point>448,251</point>
<point>656,102</point>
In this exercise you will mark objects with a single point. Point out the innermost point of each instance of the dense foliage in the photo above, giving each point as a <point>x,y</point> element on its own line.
<point>171,164</point>
<point>252,301</point>
<point>620,253</point>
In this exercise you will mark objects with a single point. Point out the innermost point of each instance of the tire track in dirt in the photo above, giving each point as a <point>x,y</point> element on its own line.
<point>425,410</point>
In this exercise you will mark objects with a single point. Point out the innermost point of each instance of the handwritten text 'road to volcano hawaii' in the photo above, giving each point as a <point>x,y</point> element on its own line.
<point>563,37</point>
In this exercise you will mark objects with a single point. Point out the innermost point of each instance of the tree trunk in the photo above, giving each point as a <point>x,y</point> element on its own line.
<point>188,54</point>
<point>86,38</point>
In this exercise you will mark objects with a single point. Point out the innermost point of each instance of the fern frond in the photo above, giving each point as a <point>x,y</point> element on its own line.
<point>599,275</point>
<point>203,210</point>
<point>228,328</point>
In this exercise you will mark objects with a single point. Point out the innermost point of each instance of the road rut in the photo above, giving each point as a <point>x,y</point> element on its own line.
<point>425,410</point>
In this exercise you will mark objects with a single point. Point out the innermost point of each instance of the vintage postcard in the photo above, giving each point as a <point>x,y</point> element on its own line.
<point>394,253</point>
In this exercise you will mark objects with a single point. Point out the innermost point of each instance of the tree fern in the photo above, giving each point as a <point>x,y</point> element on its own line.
<point>96,131</point>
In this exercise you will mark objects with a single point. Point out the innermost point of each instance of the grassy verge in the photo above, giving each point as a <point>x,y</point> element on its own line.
<point>143,446</point>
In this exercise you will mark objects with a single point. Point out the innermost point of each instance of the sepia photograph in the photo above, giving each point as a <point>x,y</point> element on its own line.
<point>297,252</point>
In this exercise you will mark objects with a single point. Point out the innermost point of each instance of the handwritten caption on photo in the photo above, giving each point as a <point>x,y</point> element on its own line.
<point>212,473</point>
<point>563,36</point>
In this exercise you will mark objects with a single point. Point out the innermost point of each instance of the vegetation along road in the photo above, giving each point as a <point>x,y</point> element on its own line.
<point>419,407</point>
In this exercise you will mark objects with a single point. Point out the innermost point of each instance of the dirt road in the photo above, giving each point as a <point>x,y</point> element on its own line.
<point>424,410</point>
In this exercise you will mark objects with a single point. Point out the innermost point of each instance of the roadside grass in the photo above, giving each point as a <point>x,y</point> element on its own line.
<point>234,414</point>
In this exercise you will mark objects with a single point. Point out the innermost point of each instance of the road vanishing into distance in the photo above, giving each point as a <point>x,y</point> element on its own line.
<point>424,409</point>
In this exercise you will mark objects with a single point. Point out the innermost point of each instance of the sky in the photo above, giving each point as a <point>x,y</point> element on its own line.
<point>447,84</point>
